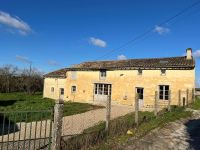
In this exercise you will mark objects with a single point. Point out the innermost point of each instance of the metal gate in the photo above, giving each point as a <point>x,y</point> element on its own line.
<point>26,130</point>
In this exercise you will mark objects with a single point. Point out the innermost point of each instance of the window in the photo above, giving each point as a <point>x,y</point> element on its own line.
<point>52,89</point>
<point>140,72</point>
<point>102,74</point>
<point>140,92</point>
<point>164,92</point>
<point>73,89</point>
<point>61,91</point>
<point>73,75</point>
<point>163,72</point>
<point>102,89</point>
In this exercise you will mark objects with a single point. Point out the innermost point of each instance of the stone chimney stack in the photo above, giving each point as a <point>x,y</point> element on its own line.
<point>188,53</point>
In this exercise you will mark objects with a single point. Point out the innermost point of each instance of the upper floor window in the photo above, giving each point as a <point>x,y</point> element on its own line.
<point>73,90</point>
<point>163,72</point>
<point>140,72</point>
<point>102,74</point>
<point>73,75</point>
<point>164,92</point>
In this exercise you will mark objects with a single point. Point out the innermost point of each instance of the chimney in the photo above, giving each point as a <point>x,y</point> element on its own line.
<point>188,53</point>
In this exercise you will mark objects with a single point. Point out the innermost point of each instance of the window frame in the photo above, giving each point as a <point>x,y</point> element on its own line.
<point>163,73</point>
<point>52,89</point>
<point>140,71</point>
<point>62,91</point>
<point>102,74</point>
<point>163,93</point>
<point>72,89</point>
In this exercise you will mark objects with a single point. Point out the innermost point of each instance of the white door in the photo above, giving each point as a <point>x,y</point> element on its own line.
<point>101,91</point>
<point>140,92</point>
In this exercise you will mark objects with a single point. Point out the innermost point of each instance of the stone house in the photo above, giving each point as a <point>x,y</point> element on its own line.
<point>92,82</point>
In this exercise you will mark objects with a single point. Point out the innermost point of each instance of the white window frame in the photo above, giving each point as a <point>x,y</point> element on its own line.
<point>61,91</point>
<point>164,92</point>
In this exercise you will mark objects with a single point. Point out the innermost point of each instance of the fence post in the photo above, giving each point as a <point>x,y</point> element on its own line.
<point>136,108</point>
<point>193,95</point>
<point>108,111</point>
<point>169,101</point>
<point>183,101</point>
<point>57,126</point>
<point>187,97</point>
<point>156,104</point>
<point>179,97</point>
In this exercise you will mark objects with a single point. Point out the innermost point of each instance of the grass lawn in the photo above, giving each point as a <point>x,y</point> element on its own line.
<point>10,102</point>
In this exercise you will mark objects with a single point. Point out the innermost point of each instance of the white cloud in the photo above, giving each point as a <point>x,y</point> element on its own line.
<point>53,63</point>
<point>23,59</point>
<point>121,57</point>
<point>97,42</point>
<point>161,30</point>
<point>15,23</point>
<point>196,54</point>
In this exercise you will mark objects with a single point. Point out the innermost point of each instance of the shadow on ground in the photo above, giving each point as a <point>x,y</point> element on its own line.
<point>9,102</point>
<point>193,130</point>
<point>7,126</point>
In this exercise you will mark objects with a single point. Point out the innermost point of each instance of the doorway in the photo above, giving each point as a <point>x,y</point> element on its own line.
<point>140,92</point>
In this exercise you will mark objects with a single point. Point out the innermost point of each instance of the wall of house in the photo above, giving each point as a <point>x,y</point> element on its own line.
<point>124,83</point>
<point>56,83</point>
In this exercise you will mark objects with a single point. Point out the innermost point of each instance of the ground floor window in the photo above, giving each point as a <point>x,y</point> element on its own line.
<point>164,92</point>
<point>73,89</point>
<point>140,92</point>
<point>102,89</point>
<point>62,91</point>
<point>52,89</point>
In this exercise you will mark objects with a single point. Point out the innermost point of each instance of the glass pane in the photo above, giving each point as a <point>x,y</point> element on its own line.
<point>161,87</point>
<point>105,89</point>
<point>166,97</point>
<point>166,87</point>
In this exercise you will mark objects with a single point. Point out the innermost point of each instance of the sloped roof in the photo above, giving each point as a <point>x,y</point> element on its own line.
<point>147,63</point>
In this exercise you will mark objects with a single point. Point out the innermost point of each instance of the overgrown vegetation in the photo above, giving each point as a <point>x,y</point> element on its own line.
<point>10,102</point>
<point>95,137</point>
<point>196,104</point>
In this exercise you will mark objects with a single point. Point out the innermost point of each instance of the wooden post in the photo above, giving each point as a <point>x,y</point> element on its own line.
<point>57,126</point>
<point>169,101</point>
<point>187,97</point>
<point>156,104</point>
<point>193,95</point>
<point>179,97</point>
<point>136,108</point>
<point>183,101</point>
<point>108,111</point>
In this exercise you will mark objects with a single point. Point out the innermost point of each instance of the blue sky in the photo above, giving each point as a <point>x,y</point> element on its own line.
<point>57,33</point>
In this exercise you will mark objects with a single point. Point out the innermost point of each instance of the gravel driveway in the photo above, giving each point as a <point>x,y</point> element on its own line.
<point>74,124</point>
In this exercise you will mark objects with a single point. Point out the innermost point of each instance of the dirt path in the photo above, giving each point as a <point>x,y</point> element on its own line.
<point>179,135</point>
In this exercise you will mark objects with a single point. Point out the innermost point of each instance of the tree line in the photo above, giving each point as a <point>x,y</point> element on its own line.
<point>13,79</point>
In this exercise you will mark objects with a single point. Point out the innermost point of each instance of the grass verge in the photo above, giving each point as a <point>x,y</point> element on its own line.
<point>196,104</point>
<point>95,137</point>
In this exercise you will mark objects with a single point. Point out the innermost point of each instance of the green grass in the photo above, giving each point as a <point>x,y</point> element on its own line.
<point>196,104</point>
<point>95,137</point>
<point>144,128</point>
<point>10,102</point>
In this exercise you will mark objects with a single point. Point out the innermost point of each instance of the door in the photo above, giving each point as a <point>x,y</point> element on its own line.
<point>101,91</point>
<point>140,92</point>
<point>61,93</point>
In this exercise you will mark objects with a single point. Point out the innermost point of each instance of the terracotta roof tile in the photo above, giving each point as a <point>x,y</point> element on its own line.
<point>148,63</point>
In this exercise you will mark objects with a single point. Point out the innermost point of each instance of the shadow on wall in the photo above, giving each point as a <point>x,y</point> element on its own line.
<point>9,127</point>
<point>193,130</point>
